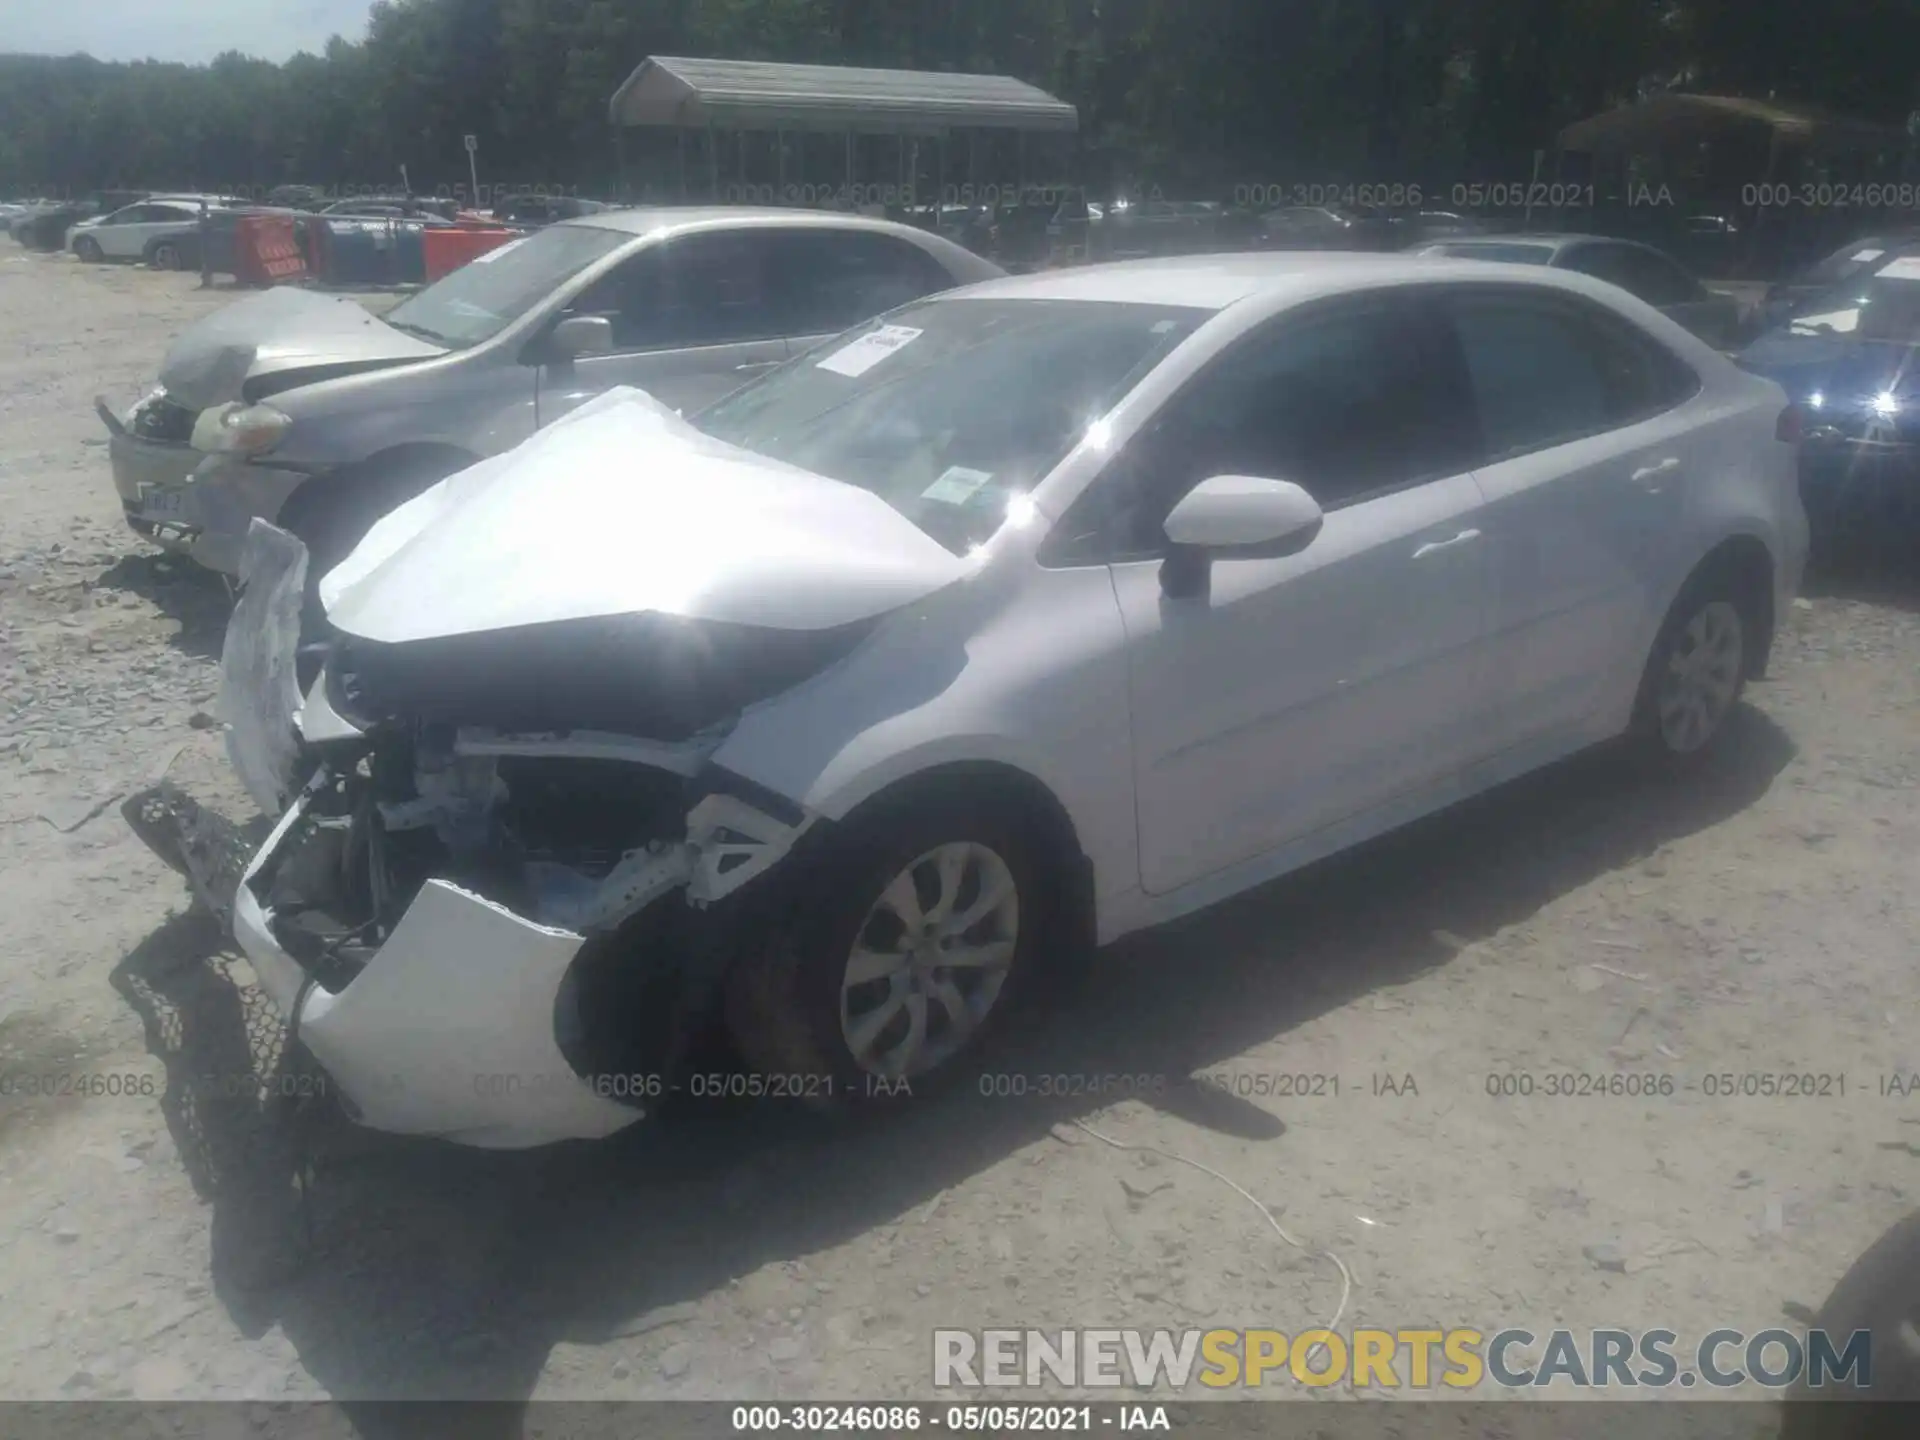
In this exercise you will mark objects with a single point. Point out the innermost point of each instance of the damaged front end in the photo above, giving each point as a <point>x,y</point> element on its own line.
<point>496,936</point>
<point>502,940</point>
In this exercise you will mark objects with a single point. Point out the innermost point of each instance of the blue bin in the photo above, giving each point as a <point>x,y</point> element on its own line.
<point>372,252</point>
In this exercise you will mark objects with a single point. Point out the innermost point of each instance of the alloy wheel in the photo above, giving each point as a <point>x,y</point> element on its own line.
<point>1702,677</point>
<point>930,960</point>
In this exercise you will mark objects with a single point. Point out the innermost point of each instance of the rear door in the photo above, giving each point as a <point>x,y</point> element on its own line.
<point>1586,447</point>
<point>693,319</point>
<point>168,223</point>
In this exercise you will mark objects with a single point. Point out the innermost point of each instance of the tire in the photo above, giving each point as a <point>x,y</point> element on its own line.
<point>1699,667</point>
<point>88,249</point>
<point>165,256</point>
<point>331,514</point>
<point>1881,1295</point>
<point>790,1009</point>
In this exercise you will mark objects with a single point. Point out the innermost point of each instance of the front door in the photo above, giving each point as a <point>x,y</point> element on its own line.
<point>1297,691</point>
<point>693,321</point>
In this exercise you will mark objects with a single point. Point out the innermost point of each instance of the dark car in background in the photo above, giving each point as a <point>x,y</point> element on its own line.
<point>1856,257</point>
<point>1849,357</point>
<point>1131,229</point>
<point>1322,227</point>
<point>1334,227</point>
<point>1640,270</point>
<point>535,210</point>
<point>46,228</point>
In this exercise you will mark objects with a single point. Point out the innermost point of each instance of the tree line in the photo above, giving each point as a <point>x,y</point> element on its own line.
<point>1198,95</point>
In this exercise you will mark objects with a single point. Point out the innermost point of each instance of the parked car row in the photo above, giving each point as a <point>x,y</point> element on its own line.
<point>788,623</point>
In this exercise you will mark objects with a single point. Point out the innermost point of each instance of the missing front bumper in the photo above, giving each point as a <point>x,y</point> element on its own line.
<point>451,1028</point>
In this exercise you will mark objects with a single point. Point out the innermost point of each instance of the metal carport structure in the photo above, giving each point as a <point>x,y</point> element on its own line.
<point>742,96</point>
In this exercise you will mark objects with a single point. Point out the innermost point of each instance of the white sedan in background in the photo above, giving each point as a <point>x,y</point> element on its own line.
<point>1032,614</point>
<point>133,231</point>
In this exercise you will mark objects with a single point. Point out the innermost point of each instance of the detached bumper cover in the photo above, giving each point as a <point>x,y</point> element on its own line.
<point>450,1030</point>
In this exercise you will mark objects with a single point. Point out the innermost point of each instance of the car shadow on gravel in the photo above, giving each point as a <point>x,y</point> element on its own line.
<point>407,1270</point>
<point>196,599</point>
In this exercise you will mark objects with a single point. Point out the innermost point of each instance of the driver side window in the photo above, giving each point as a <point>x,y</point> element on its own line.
<point>693,290</point>
<point>1343,402</point>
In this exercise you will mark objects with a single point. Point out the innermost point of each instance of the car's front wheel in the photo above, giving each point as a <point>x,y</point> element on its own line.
<point>912,936</point>
<point>88,249</point>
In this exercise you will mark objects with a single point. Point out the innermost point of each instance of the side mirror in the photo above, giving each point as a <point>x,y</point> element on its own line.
<point>1234,515</point>
<point>580,335</point>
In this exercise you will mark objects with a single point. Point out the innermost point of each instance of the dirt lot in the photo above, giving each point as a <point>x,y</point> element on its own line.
<point>1762,918</point>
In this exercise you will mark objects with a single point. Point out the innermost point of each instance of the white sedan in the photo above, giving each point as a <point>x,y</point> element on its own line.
<point>138,232</point>
<point>1029,615</point>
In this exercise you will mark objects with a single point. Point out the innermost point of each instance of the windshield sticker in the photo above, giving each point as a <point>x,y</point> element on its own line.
<point>495,253</point>
<point>1160,327</point>
<point>1907,267</point>
<point>1865,257</point>
<point>869,350</point>
<point>956,486</point>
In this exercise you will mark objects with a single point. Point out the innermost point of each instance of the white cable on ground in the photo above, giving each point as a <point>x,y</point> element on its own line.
<point>1346,1277</point>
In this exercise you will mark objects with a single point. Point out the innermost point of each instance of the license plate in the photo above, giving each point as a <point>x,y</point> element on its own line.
<point>159,504</point>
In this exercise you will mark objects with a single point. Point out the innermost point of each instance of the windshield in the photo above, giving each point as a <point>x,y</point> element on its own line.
<point>1883,305</point>
<point>1848,260</point>
<point>948,409</point>
<point>490,292</point>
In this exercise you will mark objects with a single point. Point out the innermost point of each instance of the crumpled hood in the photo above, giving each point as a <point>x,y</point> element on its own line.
<point>622,508</point>
<point>278,330</point>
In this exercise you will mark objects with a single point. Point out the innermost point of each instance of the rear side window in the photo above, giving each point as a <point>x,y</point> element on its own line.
<point>1546,372</point>
<point>825,281</point>
<point>1641,273</point>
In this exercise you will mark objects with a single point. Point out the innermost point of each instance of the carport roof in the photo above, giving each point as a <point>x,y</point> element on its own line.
<point>749,94</point>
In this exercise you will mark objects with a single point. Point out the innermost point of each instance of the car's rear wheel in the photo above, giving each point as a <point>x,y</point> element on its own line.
<point>165,256</point>
<point>1697,671</point>
<point>88,249</point>
<point>915,933</point>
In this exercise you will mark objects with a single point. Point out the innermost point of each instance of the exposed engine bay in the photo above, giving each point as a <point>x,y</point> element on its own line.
<point>480,932</point>
<point>579,832</point>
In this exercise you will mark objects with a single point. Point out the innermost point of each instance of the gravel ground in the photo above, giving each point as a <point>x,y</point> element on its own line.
<point>1759,918</point>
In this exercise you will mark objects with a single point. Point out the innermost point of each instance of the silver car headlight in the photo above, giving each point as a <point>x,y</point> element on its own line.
<point>240,429</point>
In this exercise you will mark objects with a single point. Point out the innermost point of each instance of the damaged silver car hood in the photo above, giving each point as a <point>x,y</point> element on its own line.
<point>620,508</point>
<point>279,330</point>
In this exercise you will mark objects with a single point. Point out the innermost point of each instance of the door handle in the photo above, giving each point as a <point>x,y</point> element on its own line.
<point>750,366</point>
<point>1434,547</point>
<point>1647,477</point>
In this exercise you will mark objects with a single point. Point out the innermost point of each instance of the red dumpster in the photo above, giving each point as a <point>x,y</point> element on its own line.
<point>449,248</point>
<point>266,250</point>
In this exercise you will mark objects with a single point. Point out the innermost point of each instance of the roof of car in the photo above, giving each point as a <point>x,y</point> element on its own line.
<point>1551,239</point>
<point>1215,282</point>
<point>644,219</point>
